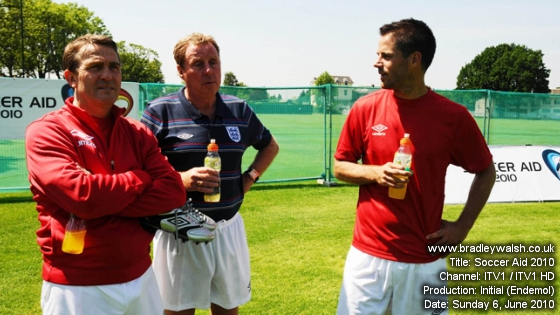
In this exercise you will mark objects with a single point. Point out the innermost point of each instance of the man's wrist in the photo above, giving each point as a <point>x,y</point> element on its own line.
<point>252,174</point>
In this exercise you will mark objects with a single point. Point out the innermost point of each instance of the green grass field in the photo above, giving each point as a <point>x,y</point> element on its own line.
<point>299,235</point>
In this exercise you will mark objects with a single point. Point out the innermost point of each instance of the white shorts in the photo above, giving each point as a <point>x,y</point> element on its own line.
<point>140,296</point>
<point>195,276</point>
<point>372,285</point>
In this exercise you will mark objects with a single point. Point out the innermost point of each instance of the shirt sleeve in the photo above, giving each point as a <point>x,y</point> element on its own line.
<point>470,150</point>
<point>151,120</point>
<point>166,191</point>
<point>350,143</point>
<point>260,135</point>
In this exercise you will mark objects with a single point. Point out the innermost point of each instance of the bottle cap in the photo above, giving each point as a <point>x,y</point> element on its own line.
<point>406,139</point>
<point>212,146</point>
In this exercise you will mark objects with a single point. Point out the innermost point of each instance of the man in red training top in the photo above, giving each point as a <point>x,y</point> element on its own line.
<point>86,159</point>
<point>388,263</point>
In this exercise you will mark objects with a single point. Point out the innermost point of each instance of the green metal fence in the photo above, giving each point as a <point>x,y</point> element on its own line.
<point>306,121</point>
<point>508,118</point>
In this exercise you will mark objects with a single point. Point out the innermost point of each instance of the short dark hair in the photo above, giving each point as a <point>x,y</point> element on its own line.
<point>412,35</point>
<point>72,52</point>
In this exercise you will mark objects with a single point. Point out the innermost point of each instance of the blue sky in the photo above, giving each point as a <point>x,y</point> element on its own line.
<point>288,42</point>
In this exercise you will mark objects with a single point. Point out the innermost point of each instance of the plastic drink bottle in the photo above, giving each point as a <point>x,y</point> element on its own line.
<point>403,157</point>
<point>213,160</point>
<point>74,235</point>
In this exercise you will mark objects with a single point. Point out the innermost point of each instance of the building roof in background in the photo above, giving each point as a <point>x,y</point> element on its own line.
<point>341,80</point>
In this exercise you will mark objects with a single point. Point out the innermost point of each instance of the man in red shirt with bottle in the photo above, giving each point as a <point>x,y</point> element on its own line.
<point>86,160</point>
<point>389,263</point>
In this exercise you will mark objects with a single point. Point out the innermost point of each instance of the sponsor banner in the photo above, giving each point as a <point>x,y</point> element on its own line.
<point>25,100</point>
<point>523,173</point>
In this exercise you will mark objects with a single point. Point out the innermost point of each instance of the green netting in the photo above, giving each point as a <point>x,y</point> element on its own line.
<point>510,118</point>
<point>524,118</point>
<point>307,121</point>
<point>13,169</point>
<point>150,91</point>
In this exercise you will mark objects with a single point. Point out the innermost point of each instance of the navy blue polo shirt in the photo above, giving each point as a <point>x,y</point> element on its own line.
<point>184,133</point>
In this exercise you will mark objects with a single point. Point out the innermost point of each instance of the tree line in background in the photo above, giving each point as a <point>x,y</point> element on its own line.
<point>33,34</point>
<point>506,67</point>
<point>309,100</point>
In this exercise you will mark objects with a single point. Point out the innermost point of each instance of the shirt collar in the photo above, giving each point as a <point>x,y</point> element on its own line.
<point>116,111</point>
<point>194,113</point>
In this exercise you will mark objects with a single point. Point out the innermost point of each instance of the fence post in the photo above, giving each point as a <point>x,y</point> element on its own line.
<point>487,114</point>
<point>142,97</point>
<point>327,110</point>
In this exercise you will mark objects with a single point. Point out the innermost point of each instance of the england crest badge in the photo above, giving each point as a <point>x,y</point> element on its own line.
<point>234,133</point>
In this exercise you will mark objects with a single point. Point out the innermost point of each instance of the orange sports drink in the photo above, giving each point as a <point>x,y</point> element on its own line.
<point>403,157</point>
<point>73,242</point>
<point>213,160</point>
<point>74,236</point>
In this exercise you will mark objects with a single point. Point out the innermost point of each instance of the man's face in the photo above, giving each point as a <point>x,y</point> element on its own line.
<point>97,80</point>
<point>201,70</point>
<point>391,65</point>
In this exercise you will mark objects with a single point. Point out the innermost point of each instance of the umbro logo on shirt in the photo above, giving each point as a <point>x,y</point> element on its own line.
<point>379,128</point>
<point>185,136</point>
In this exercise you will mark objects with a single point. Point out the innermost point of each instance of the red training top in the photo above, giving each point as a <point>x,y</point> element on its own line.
<point>130,178</point>
<point>442,133</point>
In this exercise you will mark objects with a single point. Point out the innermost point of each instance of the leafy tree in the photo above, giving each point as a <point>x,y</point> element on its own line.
<point>258,94</point>
<point>230,79</point>
<point>275,98</point>
<point>317,95</point>
<point>304,97</point>
<point>139,64</point>
<point>506,67</point>
<point>48,27</point>
<point>247,94</point>
<point>324,78</point>
<point>11,38</point>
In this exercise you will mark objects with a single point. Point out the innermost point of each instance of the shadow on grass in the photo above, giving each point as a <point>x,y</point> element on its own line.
<point>5,198</point>
<point>299,185</point>
<point>27,197</point>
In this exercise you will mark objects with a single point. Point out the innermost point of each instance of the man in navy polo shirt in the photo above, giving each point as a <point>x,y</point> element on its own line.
<point>214,275</point>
